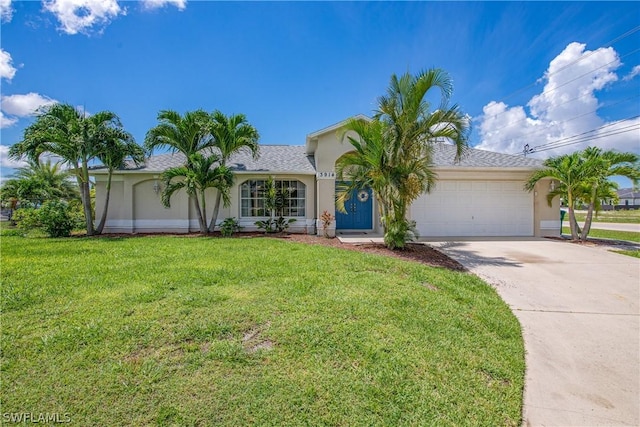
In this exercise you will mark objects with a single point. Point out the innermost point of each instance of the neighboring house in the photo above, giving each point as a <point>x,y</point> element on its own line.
<point>482,195</point>
<point>629,198</point>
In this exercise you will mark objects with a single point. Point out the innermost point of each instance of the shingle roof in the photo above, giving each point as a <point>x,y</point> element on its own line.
<point>273,158</point>
<point>628,193</point>
<point>293,158</point>
<point>444,156</point>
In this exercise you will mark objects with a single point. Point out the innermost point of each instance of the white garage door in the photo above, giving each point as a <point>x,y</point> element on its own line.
<point>475,208</point>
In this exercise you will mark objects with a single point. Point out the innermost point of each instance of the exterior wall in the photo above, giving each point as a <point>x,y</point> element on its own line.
<point>547,218</point>
<point>134,206</point>
<point>327,150</point>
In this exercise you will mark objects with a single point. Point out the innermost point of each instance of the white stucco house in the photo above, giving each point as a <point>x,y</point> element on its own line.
<point>482,195</point>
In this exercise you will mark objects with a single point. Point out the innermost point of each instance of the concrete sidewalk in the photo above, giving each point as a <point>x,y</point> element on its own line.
<point>579,310</point>
<point>616,226</point>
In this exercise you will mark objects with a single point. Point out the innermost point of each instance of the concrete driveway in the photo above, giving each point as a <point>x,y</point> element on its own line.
<point>579,310</point>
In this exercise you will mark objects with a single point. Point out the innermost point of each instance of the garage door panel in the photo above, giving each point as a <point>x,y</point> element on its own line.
<point>475,208</point>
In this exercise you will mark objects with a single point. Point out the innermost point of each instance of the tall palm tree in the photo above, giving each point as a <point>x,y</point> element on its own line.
<point>232,134</point>
<point>603,165</point>
<point>394,153</point>
<point>572,172</point>
<point>74,136</point>
<point>195,179</point>
<point>117,146</point>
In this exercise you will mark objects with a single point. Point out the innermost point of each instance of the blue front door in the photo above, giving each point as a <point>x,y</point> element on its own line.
<point>359,214</point>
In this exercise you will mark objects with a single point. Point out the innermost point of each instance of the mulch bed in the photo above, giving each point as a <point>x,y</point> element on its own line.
<point>416,252</point>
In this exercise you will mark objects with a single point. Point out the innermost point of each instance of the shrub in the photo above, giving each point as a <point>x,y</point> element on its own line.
<point>229,227</point>
<point>398,233</point>
<point>26,218</point>
<point>275,225</point>
<point>56,218</point>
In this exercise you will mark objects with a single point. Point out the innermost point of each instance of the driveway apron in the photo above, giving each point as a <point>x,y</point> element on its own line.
<point>579,310</point>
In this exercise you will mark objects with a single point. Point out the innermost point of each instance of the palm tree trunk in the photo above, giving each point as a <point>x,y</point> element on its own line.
<point>103,217</point>
<point>86,198</point>
<point>203,229</point>
<point>203,226</point>
<point>587,222</point>
<point>572,218</point>
<point>216,210</point>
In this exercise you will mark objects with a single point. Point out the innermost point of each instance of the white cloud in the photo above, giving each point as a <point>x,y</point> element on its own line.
<point>6,162</point>
<point>6,11</point>
<point>80,16</point>
<point>156,4</point>
<point>7,70</point>
<point>565,107</point>
<point>634,72</point>
<point>5,121</point>
<point>24,105</point>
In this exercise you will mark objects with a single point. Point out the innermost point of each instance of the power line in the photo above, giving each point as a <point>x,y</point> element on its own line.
<point>574,117</point>
<point>572,139</point>
<point>620,37</point>
<point>594,137</point>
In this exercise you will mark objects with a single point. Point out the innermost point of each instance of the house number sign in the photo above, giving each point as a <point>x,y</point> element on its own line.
<point>325,175</point>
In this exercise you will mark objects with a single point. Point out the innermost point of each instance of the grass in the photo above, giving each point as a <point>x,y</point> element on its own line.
<point>250,331</point>
<point>634,253</point>
<point>625,217</point>
<point>630,236</point>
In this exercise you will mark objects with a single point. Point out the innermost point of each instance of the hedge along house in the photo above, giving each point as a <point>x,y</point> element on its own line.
<point>482,195</point>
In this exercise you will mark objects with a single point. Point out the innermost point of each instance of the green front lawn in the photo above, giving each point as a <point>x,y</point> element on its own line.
<point>630,236</point>
<point>622,216</point>
<point>250,331</point>
<point>634,253</point>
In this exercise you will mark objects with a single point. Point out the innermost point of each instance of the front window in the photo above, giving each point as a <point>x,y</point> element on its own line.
<point>252,198</point>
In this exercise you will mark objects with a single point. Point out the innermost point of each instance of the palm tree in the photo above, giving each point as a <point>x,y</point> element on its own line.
<point>117,146</point>
<point>62,130</point>
<point>584,177</point>
<point>393,153</point>
<point>572,172</point>
<point>195,179</point>
<point>188,134</point>
<point>232,134</point>
<point>39,182</point>
<point>602,166</point>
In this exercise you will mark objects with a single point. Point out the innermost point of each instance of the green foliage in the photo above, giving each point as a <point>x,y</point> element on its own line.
<point>234,332</point>
<point>26,218</point>
<point>231,134</point>
<point>194,135</point>
<point>195,177</point>
<point>399,232</point>
<point>36,183</point>
<point>56,218</point>
<point>229,227</point>
<point>584,177</point>
<point>393,153</point>
<point>275,225</point>
<point>77,138</point>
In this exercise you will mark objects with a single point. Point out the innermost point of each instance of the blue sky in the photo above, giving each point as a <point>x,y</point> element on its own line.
<point>533,72</point>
